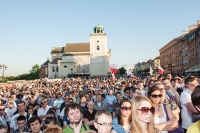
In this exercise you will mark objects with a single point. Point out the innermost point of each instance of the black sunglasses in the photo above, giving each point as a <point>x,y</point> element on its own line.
<point>155,96</point>
<point>2,109</point>
<point>43,103</point>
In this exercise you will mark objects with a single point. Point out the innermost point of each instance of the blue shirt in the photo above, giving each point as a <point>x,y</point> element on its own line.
<point>111,100</point>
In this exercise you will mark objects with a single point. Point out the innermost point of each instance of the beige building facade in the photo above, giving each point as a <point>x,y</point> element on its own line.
<point>89,58</point>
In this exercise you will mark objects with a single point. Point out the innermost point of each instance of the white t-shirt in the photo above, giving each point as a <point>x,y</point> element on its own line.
<point>62,113</point>
<point>14,120</point>
<point>185,113</point>
<point>41,111</point>
<point>10,112</point>
<point>57,103</point>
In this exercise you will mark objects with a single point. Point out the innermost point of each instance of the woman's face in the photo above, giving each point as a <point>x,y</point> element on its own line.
<point>144,117</point>
<point>155,97</point>
<point>125,109</point>
<point>50,124</point>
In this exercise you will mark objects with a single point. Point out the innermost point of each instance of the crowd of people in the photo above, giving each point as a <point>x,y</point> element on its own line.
<point>164,104</point>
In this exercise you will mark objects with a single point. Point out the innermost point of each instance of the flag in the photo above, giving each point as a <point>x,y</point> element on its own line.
<point>150,70</point>
<point>113,68</point>
<point>160,70</point>
<point>113,76</point>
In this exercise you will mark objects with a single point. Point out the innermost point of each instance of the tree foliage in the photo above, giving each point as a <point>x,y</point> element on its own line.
<point>35,71</point>
<point>121,71</point>
<point>33,74</point>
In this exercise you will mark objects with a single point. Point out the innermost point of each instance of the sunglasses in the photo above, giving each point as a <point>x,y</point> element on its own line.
<point>2,109</point>
<point>145,110</point>
<point>43,103</point>
<point>125,108</point>
<point>155,96</point>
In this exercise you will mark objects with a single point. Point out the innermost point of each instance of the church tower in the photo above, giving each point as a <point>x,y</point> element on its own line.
<point>99,60</point>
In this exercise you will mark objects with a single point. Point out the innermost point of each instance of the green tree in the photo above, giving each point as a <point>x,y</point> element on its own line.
<point>121,71</point>
<point>34,73</point>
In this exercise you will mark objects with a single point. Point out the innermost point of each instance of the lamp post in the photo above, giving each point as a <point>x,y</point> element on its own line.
<point>4,67</point>
<point>83,73</point>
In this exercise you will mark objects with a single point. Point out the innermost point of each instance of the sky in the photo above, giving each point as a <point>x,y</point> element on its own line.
<point>136,29</point>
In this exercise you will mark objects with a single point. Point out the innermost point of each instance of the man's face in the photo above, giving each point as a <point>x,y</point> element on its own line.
<point>110,92</point>
<point>150,84</point>
<point>87,97</point>
<point>21,124</point>
<point>174,83</point>
<point>21,107</point>
<point>127,93</point>
<point>90,105</point>
<point>119,97</point>
<point>74,116</point>
<point>169,76</point>
<point>166,84</point>
<point>192,85</point>
<point>66,99</point>
<point>140,85</point>
<point>83,99</point>
<point>2,110</point>
<point>98,98</point>
<point>162,89</point>
<point>103,124</point>
<point>137,93</point>
<point>35,126</point>
<point>43,103</point>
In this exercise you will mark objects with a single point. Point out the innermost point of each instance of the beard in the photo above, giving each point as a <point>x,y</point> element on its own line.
<point>76,122</point>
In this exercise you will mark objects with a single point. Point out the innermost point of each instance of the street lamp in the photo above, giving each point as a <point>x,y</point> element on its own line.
<point>4,67</point>
<point>83,73</point>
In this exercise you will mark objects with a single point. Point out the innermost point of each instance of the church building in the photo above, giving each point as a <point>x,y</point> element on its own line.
<point>84,58</point>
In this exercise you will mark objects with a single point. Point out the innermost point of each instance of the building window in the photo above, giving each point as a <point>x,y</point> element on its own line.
<point>45,71</point>
<point>98,47</point>
<point>65,66</point>
<point>97,41</point>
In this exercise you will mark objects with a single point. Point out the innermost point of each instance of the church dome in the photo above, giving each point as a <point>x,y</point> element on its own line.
<point>98,29</point>
<point>98,26</point>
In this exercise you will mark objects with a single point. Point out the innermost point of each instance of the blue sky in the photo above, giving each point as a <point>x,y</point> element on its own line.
<point>136,29</point>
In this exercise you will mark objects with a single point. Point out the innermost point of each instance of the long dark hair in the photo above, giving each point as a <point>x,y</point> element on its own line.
<point>120,117</point>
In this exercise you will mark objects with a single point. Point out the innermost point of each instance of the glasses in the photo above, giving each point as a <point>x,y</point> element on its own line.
<point>125,108</point>
<point>43,103</point>
<point>2,109</point>
<point>105,124</point>
<point>156,96</point>
<point>145,110</point>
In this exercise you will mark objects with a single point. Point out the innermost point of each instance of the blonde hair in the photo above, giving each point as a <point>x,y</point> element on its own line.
<point>135,125</point>
<point>54,129</point>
